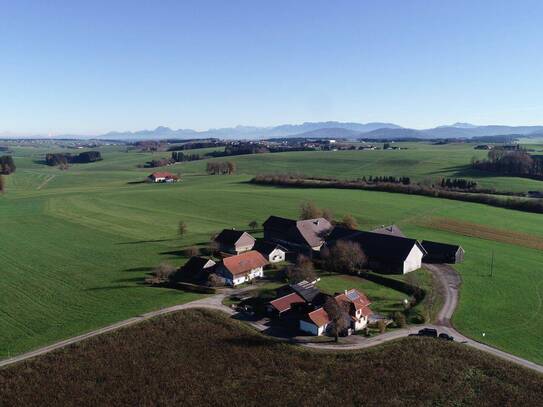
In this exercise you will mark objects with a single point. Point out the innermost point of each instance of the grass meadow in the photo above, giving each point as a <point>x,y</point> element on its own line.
<point>160,362</point>
<point>77,244</point>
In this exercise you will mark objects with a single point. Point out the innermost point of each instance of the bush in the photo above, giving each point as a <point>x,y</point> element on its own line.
<point>162,274</point>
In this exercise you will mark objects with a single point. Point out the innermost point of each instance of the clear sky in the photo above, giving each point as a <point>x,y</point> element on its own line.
<point>89,67</point>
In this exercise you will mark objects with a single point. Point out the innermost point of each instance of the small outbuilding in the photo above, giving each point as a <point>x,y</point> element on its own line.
<point>197,268</point>
<point>234,241</point>
<point>273,252</point>
<point>437,252</point>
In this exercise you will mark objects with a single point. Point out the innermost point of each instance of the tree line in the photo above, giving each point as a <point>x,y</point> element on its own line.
<point>221,168</point>
<point>477,196</point>
<point>63,159</point>
<point>7,165</point>
<point>179,156</point>
<point>511,161</point>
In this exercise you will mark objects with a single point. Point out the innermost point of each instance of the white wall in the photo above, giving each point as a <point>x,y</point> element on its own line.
<point>413,261</point>
<point>309,328</point>
<point>277,256</point>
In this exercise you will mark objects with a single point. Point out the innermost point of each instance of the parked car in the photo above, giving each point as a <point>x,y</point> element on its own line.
<point>428,332</point>
<point>445,336</point>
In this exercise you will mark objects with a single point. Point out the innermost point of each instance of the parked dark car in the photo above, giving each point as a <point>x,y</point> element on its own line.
<point>428,332</point>
<point>445,336</point>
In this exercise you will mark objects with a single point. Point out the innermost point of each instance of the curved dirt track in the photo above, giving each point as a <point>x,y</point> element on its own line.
<point>447,276</point>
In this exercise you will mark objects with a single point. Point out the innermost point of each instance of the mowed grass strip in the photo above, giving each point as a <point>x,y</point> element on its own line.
<point>198,357</point>
<point>484,232</point>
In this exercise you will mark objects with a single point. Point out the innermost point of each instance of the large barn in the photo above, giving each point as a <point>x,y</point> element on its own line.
<point>305,236</point>
<point>385,252</point>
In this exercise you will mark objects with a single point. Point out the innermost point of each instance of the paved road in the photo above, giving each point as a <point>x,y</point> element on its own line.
<point>448,277</point>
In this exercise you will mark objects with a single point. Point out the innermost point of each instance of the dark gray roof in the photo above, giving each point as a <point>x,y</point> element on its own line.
<point>230,236</point>
<point>440,248</point>
<point>266,247</point>
<point>389,230</point>
<point>307,291</point>
<point>195,264</point>
<point>279,224</point>
<point>377,245</point>
<point>308,231</point>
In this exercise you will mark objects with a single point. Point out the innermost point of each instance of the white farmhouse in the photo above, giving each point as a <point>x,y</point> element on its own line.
<point>242,268</point>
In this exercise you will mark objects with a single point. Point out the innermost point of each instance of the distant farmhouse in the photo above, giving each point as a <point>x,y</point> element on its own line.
<point>303,236</point>
<point>159,177</point>
<point>242,268</point>
<point>386,253</point>
<point>234,241</point>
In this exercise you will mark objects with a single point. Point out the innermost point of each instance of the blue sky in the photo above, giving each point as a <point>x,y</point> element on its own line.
<point>87,67</point>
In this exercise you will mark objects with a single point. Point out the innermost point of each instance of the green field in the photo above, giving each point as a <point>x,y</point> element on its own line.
<point>76,244</point>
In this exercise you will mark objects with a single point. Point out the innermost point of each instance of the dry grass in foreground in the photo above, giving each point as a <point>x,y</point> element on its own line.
<point>202,358</point>
<point>485,232</point>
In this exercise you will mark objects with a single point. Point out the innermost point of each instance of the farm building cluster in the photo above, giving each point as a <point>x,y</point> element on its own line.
<point>244,257</point>
<point>302,306</point>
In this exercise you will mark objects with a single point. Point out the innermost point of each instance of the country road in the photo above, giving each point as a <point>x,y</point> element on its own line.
<point>447,276</point>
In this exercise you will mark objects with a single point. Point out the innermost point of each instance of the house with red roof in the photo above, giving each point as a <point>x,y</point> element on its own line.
<point>163,177</point>
<point>353,301</point>
<point>242,268</point>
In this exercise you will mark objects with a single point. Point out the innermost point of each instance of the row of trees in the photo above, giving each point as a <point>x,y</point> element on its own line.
<point>63,159</point>
<point>486,197</point>
<point>386,180</point>
<point>221,168</point>
<point>179,156</point>
<point>7,165</point>
<point>457,183</point>
<point>160,162</point>
<point>309,210</point>
<point>516,162</point>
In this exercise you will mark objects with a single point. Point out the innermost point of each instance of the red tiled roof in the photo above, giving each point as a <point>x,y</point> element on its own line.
<point>366,312</point>
<point>284,303</point>
<point>355,297</point>
<point>319,317</point>
<point>163,175</point>
<point>244,262</point>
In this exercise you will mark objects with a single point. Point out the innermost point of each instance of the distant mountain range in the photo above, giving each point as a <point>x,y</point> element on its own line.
<point>329,129</point>
<point>250,132</point>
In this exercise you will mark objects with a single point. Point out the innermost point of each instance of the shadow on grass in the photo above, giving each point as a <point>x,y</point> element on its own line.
<point>139,269</point>
<point>146,241</point>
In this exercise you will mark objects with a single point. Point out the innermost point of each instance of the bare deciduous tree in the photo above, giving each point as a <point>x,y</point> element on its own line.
<point>308,210</point>
<point>346,257</point>
<point>338,315</point>
<point>181,228</point>
<point>349,222</point>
